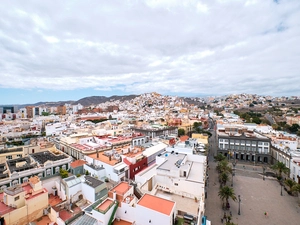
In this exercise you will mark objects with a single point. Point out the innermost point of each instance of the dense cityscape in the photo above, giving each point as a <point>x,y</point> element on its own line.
<point>150,112</point>
<point>149,159</point>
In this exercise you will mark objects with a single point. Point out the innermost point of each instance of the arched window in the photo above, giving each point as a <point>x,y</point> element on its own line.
<point>3,187</point>
<point>48,172</point>
<point>25,179</point>
<point>15,182</point>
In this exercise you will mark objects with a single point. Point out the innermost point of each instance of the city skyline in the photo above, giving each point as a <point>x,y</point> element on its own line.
<point>70,50</point>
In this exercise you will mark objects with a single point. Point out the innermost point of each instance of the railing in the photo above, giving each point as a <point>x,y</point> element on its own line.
<point>68,221</point>
<point>113,213</point>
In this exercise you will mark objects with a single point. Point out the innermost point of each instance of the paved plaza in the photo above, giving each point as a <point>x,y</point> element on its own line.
<point>257,196</point>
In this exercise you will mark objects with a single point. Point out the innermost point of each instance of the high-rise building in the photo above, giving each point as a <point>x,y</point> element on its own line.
<point>61,110</point>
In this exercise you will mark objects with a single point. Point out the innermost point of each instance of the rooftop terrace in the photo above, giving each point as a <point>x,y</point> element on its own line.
<point>42,157</point>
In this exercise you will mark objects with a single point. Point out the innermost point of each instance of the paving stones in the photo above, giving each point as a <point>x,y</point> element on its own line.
<point>257,197</point>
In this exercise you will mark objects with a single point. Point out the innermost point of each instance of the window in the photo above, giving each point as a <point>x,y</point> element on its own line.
<point>17,198</point>
<point>25,179</point>
<point>15,182</point>
<point>260,143</point>
<point>19,155</point>
<point>175,184</point>
<point>56,169</point>
<point>48,171</point>
<point>9,157</point>
<point>64,167</point>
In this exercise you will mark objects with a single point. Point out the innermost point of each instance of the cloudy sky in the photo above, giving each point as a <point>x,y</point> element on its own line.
<point>66,50</point>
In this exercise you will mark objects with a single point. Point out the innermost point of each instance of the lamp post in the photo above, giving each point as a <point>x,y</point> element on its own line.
<point>281,186</point>
<point>264,170</point>
<point>239,212</point>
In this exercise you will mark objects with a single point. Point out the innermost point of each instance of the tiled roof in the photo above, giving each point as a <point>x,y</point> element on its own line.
<point>157,204</point>
<point>77,163</point>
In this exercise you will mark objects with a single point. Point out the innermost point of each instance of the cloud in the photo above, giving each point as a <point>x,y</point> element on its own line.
<point>187,47</point>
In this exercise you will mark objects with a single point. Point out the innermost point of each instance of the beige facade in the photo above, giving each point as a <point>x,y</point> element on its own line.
<point>24,203</point>
<point>19,152</point>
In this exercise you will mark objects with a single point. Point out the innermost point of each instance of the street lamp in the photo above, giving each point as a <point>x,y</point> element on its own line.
<point>233,172</point>
<point>239,212</point>
<point>281,186</point>
<point>264,170</point>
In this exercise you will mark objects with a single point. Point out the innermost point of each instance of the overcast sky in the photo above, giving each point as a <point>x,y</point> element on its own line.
<point>66,50</point>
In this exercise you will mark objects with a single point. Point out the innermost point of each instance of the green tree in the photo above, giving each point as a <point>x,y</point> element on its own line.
<point>290,183</point>
<point>296,188</point>
<point>219,157</point>
<point>280,168</point>
<point>181,132</point>
<point>196,125</point>
<point>45,113</point>
<point>223,167</point>
<point>225,193</point>
<point>63,173</point>
<point>224,178</point>
<point>294,128</point>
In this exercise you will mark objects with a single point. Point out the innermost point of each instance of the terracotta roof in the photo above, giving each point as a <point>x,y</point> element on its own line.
<point>157,204</point>
<point>34,180</point>
<point>77,163</point>
<point>121,188</point>
<point>184,138</point>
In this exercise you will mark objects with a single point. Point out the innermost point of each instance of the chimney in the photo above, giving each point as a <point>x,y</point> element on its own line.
<point>114,195</point>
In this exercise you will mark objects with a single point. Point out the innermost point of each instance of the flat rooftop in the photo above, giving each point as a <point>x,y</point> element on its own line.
<point>93,182</point>
<point>113,157</point>
<point>171,160</point>
<point>20,164</point>
<point>104,206</point>
<point>196,172</point>
<point>42,157</point>
<point>185,204</point>
<point>157,204</point>
<point>121,188</point>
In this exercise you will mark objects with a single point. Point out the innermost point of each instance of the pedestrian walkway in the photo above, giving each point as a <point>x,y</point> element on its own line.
<point>257,197</point>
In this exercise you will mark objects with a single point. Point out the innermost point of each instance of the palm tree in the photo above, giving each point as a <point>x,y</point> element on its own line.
<point>225,193</point>
<point>281,168</point>
<point>296,188</point>
<point>219,157</point>
<point>290,183</point>
<point>224,178</point>
<point>223,167</point>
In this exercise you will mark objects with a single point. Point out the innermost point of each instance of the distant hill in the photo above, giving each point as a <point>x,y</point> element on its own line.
<point>92,100</point>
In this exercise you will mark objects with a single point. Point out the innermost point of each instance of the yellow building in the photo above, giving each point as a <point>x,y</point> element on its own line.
<point>203,138</point>
<point>24,203</point>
